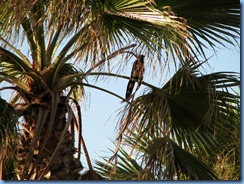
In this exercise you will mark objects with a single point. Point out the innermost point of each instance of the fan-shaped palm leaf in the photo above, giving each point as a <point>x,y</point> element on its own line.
<point>226,161</point>
<point>127,168</point>
<point>210,22</point>
<point>160,159</point>
<point>188,107</point>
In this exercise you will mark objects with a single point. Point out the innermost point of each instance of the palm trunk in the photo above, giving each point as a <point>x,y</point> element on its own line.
<point>33,162</point>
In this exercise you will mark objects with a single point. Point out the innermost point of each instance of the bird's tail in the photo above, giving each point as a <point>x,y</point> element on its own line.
<point>129,89</point>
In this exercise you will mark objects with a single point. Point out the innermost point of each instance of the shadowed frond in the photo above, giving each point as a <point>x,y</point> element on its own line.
<point>226,163</point>
<point>190,165</point>
<point>211,23</point>
<point>190,108</point>
<point>8,141</point>
<point>169,161</point>
<point>160,159</point>
<point>126,168</point>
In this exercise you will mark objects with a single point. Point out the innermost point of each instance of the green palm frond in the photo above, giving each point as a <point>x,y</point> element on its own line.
<point>8,140</point>
<point>169,161</point>
<point>227,162</point>
<point>160,159</point>
<point>8,122</point>
<point>9,62</point>
<point>140,22</point>
<point>190,165</point>
<point>211,22</point>
<point>69,74</point>
<point>189,107</point>
<point>68,70</point>
<point>126,168</point>
<point>43,24</point>
<point>16,69</point>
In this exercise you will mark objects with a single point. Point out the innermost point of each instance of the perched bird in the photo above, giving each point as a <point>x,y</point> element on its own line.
<point>136,75</point>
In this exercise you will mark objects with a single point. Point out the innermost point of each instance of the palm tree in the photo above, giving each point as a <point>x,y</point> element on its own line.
<point>59,35</point>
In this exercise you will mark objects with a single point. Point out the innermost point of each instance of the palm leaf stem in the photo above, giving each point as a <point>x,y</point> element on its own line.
<point>29,34</point>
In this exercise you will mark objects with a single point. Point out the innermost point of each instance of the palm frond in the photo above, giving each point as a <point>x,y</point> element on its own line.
<point>189,107</point>
<point>8,140</point>
<point>227,162</point>
<point>166,160</point>
<point>141,22</point>
<point>213,22</point>
<point>190,165</point>
<point>160,159</point>
<point>11,62</point>
<point>126,168</point>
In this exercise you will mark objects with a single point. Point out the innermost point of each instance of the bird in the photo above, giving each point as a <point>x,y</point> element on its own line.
<point>136,75</point>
